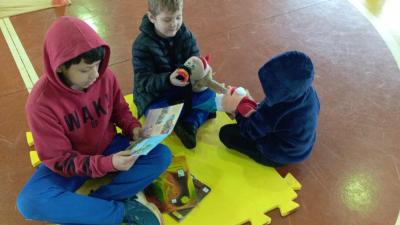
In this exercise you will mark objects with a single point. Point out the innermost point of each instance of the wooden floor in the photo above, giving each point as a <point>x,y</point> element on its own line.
<point>353,175</point>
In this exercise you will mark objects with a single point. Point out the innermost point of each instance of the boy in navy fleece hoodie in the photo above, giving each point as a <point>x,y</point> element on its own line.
<point>72,111</point>
<point>282,128</point>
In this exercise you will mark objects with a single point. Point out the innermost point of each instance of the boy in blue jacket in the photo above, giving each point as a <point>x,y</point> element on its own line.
<point>282,128</point>
<point>163,45</point>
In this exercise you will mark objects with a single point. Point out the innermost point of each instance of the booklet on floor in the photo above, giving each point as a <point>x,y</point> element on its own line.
<point>176,191</point>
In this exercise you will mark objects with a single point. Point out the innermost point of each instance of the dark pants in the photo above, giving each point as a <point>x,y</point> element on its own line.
<point>196,114</point>
<point>230,136</point>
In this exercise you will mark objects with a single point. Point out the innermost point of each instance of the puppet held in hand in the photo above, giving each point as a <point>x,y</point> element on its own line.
<point>199,72</point>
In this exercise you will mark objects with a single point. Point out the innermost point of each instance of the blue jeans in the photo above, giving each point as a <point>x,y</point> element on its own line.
<point>202,104</point>
<point>50,197</point>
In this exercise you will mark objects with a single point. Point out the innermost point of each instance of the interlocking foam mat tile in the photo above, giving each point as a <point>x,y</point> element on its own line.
<point>242,190</point>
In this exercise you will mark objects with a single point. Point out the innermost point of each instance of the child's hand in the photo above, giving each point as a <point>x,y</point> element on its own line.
<point>123,160</point>
<point>231,100</point>
<point>175,79</point>
<point>139,132</point>
<point>249,95</point>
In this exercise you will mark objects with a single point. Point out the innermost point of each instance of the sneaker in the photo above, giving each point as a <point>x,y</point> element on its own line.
<point>186,132</point>
<point>138,211</point>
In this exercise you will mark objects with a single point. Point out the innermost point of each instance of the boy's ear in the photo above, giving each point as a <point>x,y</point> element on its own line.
<point>151,17</point>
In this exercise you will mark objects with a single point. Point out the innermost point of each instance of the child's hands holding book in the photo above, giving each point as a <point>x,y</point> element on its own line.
<point>123,160</point>
<point>138,133</point>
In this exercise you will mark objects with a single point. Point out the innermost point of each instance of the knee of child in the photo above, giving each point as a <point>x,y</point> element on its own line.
<point>209,93</point>
<point>35,206</point>
<point>223,134</point>
<point>26,205</point>
<point>160,156</point>
<point>164,156</point>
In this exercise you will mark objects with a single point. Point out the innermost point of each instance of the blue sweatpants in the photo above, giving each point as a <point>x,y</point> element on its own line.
<point>198,114</point>
<point>50,197</point>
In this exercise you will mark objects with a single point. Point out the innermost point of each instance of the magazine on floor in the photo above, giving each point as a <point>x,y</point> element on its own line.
<point>176,191</point>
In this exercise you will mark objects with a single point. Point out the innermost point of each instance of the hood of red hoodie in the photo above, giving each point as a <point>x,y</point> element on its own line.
<point>66,39</point>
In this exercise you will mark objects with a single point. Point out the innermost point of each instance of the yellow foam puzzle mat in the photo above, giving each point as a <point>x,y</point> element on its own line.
<point>29,139</point>
<point>11,8</point>
<point>242,190</point>
<point>34,158</point>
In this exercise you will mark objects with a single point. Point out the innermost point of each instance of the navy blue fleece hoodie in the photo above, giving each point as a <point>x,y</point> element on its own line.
<point>285,122</point>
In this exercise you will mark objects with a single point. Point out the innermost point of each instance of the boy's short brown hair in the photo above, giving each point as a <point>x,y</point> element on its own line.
<point>156,6</point>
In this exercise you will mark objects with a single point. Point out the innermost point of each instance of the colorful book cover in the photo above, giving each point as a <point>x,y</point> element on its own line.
<point>202,191</point>
<point>176,191</point>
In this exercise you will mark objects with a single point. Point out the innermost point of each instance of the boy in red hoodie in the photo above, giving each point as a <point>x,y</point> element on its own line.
<point>72,111</point>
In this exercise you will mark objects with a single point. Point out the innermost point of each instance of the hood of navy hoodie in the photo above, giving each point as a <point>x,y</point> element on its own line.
<point>286,77</point>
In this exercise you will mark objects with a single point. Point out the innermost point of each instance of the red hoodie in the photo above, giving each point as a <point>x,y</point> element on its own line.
<point>72,128</point>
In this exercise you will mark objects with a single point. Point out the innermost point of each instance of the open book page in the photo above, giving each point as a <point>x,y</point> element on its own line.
<point>158,125</point>
<point>162,120</point>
